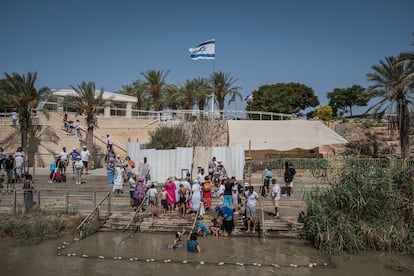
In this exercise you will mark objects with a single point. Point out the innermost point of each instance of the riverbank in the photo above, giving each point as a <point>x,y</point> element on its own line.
<point>37,226</point>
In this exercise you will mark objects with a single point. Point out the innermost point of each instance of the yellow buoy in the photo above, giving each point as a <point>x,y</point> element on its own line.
<point>293,265</point>
<point>101,257</point>
<point>147,260</point>
<point>69,254</point>
<point>59,248</point>
<point>221,263</point>
<point>201,262</point>
<point>310,265</point>
<point>63,246</point>
<point>136,259</point>
<point>152,260</point>
<point>276,265</point>
<point>131,259</point>
<point>73,254</point>
<point>85,256</point>
<point>185,261</point>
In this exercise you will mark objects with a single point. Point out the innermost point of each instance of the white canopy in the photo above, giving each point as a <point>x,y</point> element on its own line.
<point>282,135</point>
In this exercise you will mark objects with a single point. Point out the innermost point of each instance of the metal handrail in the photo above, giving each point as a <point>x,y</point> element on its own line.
<point>134,216</point>
<point>96,209</point>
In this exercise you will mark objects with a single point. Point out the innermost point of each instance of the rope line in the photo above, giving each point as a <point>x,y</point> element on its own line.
<point>66,245</point>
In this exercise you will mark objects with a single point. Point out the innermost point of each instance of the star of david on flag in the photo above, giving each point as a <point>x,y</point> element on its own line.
<point>205,50</point>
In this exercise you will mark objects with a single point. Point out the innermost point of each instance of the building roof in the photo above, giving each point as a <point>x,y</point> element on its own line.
<point>281,135</point>
<point>106,95</point>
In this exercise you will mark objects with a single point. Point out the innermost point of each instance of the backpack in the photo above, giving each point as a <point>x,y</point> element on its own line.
<point>207,186</point>
<point>58,176</point>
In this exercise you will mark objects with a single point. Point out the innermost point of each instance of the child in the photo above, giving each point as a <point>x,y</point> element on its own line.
<point>132,184</point>
<point>163,197</point>
<point>152,195</point>
<point>177,240</point>
<point>202,229</point>
<point>215,228</point>
<point>275,194</point>
<point>183,198</point>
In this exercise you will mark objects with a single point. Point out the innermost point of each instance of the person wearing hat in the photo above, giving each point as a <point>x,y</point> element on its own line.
<point>78,167</point>
<point>85,155</point>
<point>73,154</point>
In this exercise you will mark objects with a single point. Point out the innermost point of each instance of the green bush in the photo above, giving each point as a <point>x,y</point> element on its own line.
<point>166,137</point>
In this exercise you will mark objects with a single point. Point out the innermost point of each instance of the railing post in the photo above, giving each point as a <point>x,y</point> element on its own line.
<point>94,198</point>
<point>109,204</point>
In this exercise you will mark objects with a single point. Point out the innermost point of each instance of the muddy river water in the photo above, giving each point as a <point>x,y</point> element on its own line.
<point>148,254</point>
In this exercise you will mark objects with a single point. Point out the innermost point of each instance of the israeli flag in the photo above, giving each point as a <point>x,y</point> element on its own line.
<point>205,50</point>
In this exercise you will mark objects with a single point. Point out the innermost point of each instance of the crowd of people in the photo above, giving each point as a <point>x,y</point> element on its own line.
<point>11,167</point>
<point>12,173</point>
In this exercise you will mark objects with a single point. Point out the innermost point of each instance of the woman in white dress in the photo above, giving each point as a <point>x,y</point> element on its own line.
<point>196,198</point>
<point>118,179</point>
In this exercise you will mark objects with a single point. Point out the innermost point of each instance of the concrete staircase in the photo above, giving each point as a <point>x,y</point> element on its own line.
<point>287,226</point>
<point>49,136</point>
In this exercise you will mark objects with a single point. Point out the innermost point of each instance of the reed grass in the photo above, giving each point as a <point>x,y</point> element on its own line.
<point>365,207</point>
<point>37,226</point>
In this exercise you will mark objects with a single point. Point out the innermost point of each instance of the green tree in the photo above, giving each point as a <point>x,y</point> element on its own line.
<point>194,91</point>
<point>21,93</point>
<point>155,85</point>
<point>324,112</point>
<point>137,89</point>
<point>87,103</point>
<point>171,97</point>
<point>289,98</point>
<point>223,85</point>
<point>166,137</point>
<point>345,98</point>
<point>392,79</point>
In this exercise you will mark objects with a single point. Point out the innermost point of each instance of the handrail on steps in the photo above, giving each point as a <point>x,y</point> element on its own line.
<point>96,209</point>
<point>133,217</point>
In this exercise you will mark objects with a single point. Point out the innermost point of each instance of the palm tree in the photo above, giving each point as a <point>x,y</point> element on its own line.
<point>137,89</point>
<point>391,79</point>
<point>155,85</point>
<point>222,84</point>
<point>170,97</point>
<point>87,103</point>
<point>21,93</point>
<point>202,93</point>
<point>193,92</point>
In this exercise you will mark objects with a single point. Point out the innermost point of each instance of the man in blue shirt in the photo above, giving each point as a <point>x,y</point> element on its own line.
<point>228,222</point>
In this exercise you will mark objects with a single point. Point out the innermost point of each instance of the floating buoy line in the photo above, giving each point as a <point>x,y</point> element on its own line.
<point>66,245</point>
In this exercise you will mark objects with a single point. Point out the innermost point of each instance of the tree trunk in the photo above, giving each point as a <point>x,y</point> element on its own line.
<point>89,138</point>
<point>404,131</point>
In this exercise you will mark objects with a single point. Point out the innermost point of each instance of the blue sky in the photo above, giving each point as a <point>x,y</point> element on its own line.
<point>322,44</point>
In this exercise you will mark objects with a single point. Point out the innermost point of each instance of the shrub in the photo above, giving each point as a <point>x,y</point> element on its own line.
<point>366,206</point>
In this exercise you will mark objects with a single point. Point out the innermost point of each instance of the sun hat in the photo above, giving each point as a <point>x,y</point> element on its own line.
<point>78,157</point>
